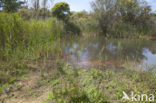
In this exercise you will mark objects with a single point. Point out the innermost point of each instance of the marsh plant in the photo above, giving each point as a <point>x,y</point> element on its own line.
<point>76,85</point>
<point>43,42</point>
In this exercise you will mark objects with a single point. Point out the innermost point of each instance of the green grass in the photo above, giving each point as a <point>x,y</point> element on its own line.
<point>75,86</point>
<point>26,42</point>
<point>79,85</point>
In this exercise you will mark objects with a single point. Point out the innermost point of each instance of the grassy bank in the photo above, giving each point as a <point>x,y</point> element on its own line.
<point>81,85</point>
<point>74,84</point>
<point>25,42</point>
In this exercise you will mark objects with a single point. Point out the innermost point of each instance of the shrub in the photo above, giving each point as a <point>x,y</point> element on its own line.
<point>61,11</point>
<point>72,28</point>
<point>26,13</point>
<point>108,12</point>
<point>11,31</point>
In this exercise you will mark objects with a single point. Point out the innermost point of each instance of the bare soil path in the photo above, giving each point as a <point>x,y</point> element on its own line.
<point>30,90</point>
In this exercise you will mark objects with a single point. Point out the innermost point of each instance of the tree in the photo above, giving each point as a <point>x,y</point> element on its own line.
<point>107,12</point>
<point>104,13</point>
<point>44,4</point>
<point>1,4</point>
<point>10,5</point>
<point>36,6</point>
<point>44,12</point>
<point>61,11</point>
<point>134,11</point>
<point>44,7</point>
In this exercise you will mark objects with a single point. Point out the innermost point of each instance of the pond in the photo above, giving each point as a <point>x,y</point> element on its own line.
<point>98,52</point>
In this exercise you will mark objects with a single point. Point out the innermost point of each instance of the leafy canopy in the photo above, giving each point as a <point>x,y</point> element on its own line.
<point>10,5</point>
<point>109,12</point>
<point>61,11</point>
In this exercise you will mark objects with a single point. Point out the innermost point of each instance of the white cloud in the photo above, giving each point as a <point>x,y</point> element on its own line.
<point>152,3</point>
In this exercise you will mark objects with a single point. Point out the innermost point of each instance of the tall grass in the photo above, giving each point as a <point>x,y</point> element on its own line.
<point>16,33</point>
<point>23,42</point>
<point>11,32</point>
<point>125,30</point>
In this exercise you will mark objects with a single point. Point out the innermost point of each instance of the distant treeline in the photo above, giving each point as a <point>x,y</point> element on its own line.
<point>111,18</point>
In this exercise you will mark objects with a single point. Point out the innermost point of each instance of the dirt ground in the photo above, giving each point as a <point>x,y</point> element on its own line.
<point>29,91</point>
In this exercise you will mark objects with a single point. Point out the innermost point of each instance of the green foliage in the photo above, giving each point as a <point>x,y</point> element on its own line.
<point>61,11</point>
<point>11,31</point>
<point>134,11</point>
<point>125,30</point>
<point>15,32</point>
<point>26,14</point>
<point>109,13</point>
<point>43,12</point>
<point>96,86</point>
<point>96,74</point>
<point>85,21</point>
<point>10,5</point>
<point>23,41</point>
<point>3,87</point>
<point>72,28</point>
<point>70,89</point>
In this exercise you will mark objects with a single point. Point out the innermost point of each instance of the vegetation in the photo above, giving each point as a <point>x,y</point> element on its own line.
<point>36,40</point>
<point>125,14</point>
<point>77,85</point>
<point>61,11</point>
<point>86,23</point>
<point>10,5</point>
<point>23,42</point>
<point>44,3</point>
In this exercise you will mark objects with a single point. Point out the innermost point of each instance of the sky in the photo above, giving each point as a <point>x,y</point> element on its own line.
<point>79,5</point>
<point>152,3</point>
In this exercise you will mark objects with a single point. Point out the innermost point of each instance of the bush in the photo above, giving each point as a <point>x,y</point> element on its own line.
<point>11,31</point>
<point>72,28</point>
<point>127,30</point>
<point>26,13</point>
<point>85,22</point>
<point>17,33</point>
<point>133,12</point>
<point>26,41</point>
<point>61,11</point>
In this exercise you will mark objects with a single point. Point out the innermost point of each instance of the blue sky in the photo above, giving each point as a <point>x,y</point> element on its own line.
<point>152,3</point>
<point>79,5</point>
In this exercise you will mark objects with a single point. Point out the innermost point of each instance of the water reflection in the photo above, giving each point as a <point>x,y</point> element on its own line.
<point>99,51</point>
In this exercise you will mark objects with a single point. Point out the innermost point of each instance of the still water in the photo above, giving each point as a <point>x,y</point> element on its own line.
<point>111,53</point>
